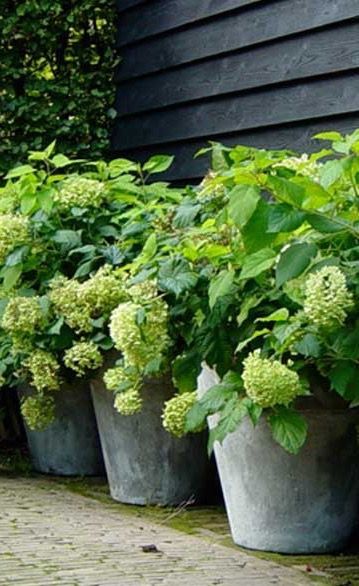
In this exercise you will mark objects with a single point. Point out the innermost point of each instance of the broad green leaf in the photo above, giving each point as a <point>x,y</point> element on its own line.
<point>68,239</point>
<point>220,286</point>
<point>113,255</point>
<point>289,429</point>
<point>28,203</point>
<point>176,276</point>
<point>324,224</point>
<point>16,256</point>
<point>150,247</point>
<point>254,233</point>
<point>84,269</point>
<point>309,345</point>
<point>344,379</point>
<point>293,261</point>
<point>11,275</point>
<point>284,218</point>
<point>286,191</point>
<point>243,200</point>
<point>120,166</point>
<point>257,334</point>
<point>330,135</point>
<point>278,315</point>
<point>185,370</point>
<point>247,304</point>
<point>158,164</point>
<point>231,417</point>
<point>330,173</point>
<point>19,171</point>
<point>185,214</point>
<point>257,263</point>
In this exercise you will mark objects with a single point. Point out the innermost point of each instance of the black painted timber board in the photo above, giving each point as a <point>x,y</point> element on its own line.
<point>233,31</point>
<point>283,104</point>
<point>321,52</point>
<point>297,137</point>
<point>158,16</point>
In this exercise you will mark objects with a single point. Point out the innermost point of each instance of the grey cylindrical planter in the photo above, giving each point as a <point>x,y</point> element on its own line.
<point>70,446</point>
<point>279,502</point>
<point>144,463</point>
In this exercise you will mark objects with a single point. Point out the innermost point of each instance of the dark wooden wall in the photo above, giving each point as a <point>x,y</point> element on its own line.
<point>269,73</point>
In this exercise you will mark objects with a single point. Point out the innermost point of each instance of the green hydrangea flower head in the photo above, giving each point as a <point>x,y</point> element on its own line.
<point>142,292</point>
<point>129,402</point>
<point>327,299</point>
<point>269,382</point>
<point>80,192</point>
<point>38,411</point>
<point>175,412</point>
<point>120,378</point>
<point>44,369</point>
<point>144,342</point>
<point>104,290</point>
<point>83,356</point>
<point>14,232</point>
<point>22,316</point>
<point>65,295</point>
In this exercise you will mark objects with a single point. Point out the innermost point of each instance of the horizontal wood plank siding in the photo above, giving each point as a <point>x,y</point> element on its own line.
<point>262,71</point>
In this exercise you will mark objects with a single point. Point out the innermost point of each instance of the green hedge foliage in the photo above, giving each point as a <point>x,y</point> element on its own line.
<point>56,66</point>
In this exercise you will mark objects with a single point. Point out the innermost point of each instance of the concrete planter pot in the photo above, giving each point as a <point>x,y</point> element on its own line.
<point>144,463</point>
<point>70,446</point>
<point>278,502</point>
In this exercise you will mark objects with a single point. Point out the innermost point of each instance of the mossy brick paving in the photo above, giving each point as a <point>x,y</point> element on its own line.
<point>51,536</point>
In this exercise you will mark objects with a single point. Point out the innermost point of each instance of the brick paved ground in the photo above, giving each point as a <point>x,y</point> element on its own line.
<point>49,536</point>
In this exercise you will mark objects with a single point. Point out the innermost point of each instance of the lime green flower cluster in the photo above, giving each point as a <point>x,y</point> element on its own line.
<point>38,411</point>
<point>129,402</point>
<point>143,292</point>
<point>14,232</point>
<point>327,299</point>
<point>80,303</point>
<point>120,378</point>
<point>83,356</point>
<point>140,343</point>
<point>269,382</point>
<point>43,368</point>
<point>80,192</point>
<point>302,165</point>
<point>175,412</point>
<point>22,316</point>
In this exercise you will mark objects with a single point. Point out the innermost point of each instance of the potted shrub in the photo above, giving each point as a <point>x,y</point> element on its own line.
<point>61,220</point>
<point>281,401</point>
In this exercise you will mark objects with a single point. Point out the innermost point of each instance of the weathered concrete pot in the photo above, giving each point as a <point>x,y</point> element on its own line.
<point>278,502</point>
<point>144,463</point>
<point>70,446</point>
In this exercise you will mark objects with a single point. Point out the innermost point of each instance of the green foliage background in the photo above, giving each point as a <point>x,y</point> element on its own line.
<point>56,65</point>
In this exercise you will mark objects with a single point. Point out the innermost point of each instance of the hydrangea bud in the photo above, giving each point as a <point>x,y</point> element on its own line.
<point>38,411</point>
<point>129,402</point>
<point>140,343</point>
<point>22,316</point>
<point>65,295</point>
<point>44,369</point>
<point>175,412</point>
<point>269,382</point>
<point>14,232</point>
<point>80,192</point>
<point>83,356</point>
<point>327,299</point>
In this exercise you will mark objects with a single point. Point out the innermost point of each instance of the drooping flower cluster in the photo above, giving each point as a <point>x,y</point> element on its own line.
<point>80,303</point>
<point>38,411</point>
<point>140,333</point>
<point>80,192</point>
<point>175,412</point>
<point>129,402</point>
<point>22,316</point>
<point>83,356</point>
<point>14,232</point>
<point>119,378</point>
<point>43,368</point>
<point>327,299</point>
<point>269,382</point>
